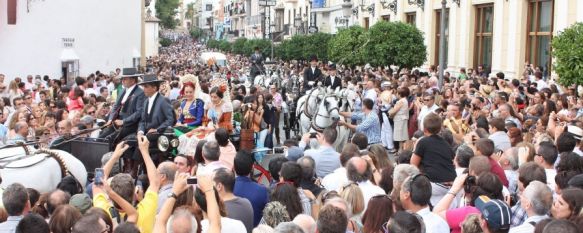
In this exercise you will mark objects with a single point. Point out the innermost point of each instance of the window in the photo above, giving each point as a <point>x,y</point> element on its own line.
<point>411,18</point>
<point>483,36</point>
<point>209,7</point>
<point>438,35</point>
<point>386,18</point>
<point>366,23</point>
<point>539,33</point>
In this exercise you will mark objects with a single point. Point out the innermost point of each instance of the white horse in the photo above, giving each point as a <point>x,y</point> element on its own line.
<point>318,110</point>
<point>347,99</point>
<point>39,169</point>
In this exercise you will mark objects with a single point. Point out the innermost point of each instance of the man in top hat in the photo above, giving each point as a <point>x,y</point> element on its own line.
<point>157,113</point>
<point>332,80</point>
<point>312,73</point>
<point>256,64</point>
<point>126,111</point>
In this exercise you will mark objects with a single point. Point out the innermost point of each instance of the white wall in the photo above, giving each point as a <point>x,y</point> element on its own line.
<point>106,33</point>
<point>152,40</point>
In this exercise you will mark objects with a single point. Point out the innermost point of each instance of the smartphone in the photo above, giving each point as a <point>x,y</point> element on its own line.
<point>191,180</point>
<point>98,176</point>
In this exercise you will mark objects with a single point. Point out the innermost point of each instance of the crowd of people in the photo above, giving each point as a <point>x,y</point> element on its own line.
<point>480,153</point>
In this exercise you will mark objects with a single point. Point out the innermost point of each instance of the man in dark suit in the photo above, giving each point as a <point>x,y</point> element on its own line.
<point>126,112</point>
<point>332,80</point>
<point>312,73</point>
<point>156,116</point>
<point>256,65</point>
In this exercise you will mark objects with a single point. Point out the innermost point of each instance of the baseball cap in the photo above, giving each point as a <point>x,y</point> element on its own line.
<point>496,212</point>
<point>81,201</point>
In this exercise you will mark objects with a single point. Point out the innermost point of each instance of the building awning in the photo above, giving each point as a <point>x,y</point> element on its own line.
<point>69,54</point>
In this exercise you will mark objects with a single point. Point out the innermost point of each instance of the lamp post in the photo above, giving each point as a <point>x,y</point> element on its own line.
<point>143,34</point>
<point>442,43</point>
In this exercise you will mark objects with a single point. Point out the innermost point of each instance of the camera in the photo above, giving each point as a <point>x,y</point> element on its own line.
<point>313,135</point>
<point>99,176</point>
<point>191,180</point>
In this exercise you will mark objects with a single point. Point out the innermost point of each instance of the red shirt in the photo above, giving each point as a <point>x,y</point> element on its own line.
<point>497,169</point>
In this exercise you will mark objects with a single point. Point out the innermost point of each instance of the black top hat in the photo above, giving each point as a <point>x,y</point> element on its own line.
<point>150,79</point>
<point>130,72</point>
<point>313,58</point>
<point>332,67</point>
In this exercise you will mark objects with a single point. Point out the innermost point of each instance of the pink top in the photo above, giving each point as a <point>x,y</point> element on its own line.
<point>455,217</point>
<point>227,156</point>
<point>75,104</point>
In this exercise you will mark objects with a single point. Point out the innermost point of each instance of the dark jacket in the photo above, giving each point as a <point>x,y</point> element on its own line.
<point>161,116</point>
<point>311,76</point>
<point>131,111</point>
<point>337,82</point>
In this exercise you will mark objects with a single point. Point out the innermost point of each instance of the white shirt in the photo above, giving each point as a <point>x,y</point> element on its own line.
<point>228,225</point>
<point>371,94</point>
<point>423,113</point>
<point>551,173</point>
<point>333,180</point>
<point>127,94</point>
<point>433,223</point>
<point>526,227</point>
<point>151,102</point>
<point>541,84</point>
<point>369,190</point>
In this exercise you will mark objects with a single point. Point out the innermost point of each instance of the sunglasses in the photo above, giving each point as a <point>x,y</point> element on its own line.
<point>91,113</point>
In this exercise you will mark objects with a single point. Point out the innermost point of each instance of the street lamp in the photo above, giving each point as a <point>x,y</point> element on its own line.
<point>442,43</point>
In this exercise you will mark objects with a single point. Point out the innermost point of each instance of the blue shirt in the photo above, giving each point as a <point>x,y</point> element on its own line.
<point>326,158</point>
<point>256,194</point>
<point>10,225</point>
<point>369,126</point>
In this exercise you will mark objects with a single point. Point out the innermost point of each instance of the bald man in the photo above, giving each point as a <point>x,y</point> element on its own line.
<point>307,223</point>
<point>359,172</point>
<point>167,170</point>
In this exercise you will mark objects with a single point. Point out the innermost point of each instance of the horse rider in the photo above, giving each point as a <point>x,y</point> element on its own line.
<point>312,73</point>
<point>125,114</point>
<point>332,81</point>
<point>256,65</point>
<point>156,116</point>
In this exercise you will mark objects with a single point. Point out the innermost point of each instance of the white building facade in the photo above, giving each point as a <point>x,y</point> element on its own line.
<point>60,37</point>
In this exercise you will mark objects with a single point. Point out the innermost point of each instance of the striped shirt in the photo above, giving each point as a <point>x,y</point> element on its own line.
<point>369,126</point>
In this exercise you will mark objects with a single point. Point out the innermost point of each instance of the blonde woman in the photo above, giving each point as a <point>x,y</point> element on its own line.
<point>352,194</point>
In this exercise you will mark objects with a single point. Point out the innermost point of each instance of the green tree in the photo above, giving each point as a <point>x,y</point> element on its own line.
<point>196,33</point>
<point>347,47</point>
<point>263,44</point>
<point>225,46</point>
<point>568,55</point>
<point>316,44</point>
<point>395,43</point>
<point>239,45</point>
<point>165,11</point>
<point>165,42</point>
<point>213,44</point>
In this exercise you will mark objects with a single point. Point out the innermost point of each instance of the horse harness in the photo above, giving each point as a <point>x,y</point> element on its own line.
<point>6,161</point>
<point>313,117</point>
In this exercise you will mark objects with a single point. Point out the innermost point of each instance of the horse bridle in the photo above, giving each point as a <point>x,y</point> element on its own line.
<point>314,125</point>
